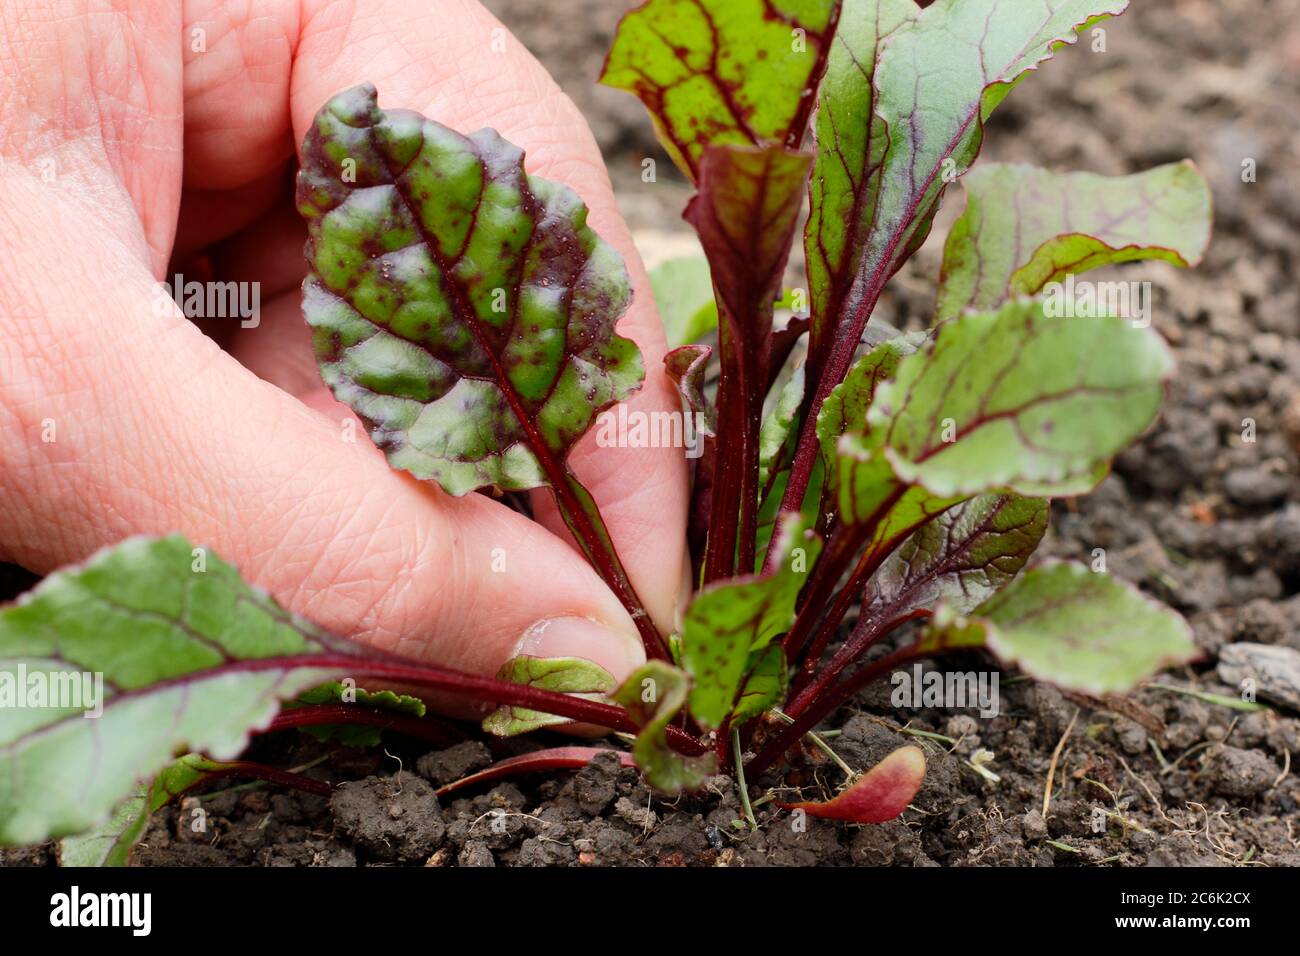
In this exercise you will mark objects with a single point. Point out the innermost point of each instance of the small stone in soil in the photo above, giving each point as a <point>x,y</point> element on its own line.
<point>1274,670</point>
<point>634,814</point>
<point>1284,735</point>
<point>1131,735</point>
<point>714,836</point>
<point>1035,826</point>
<point>475,853</point>
<point>1261,622</point>
<point>535,852</point>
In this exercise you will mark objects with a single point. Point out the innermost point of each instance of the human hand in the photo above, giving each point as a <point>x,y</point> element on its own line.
<point>132,141</point>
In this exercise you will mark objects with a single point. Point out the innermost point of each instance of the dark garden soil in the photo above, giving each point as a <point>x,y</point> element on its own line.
<point>1196,515</point>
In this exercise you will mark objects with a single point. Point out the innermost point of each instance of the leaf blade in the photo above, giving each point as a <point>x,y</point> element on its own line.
<point>461,307</point>
<point>766,681</point>
<point>845,407</point>
<point>188,659</point>
<point>566,675</point>
<point>653,695</point>
<point>722,71</point>
<point>928,80</point>
<point>961,558</point>
<point>1086,631</point>
<point>1001,400</point>
<point>1024,227</point>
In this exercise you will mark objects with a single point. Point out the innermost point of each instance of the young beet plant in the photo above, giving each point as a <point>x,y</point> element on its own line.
<point>467,313</point>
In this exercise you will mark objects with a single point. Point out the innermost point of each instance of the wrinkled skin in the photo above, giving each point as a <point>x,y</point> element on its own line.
<point>123,152</point>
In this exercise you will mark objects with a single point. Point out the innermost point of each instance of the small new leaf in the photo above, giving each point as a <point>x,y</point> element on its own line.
<point>686,367</point>
<point>112,843</point>
<point>729,621</point>
<point>766,683</point>
<point>867,492</point>
<point>845,408</point>
<point>653,695</point>
<point>961,558</point>
<point>566,675</point>
<point>356,735</point>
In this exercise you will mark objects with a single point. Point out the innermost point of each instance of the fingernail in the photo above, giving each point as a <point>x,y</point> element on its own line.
<point>617,651</point>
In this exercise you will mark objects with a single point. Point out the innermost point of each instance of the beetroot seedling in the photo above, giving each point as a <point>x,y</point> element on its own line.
<point>467,312</point>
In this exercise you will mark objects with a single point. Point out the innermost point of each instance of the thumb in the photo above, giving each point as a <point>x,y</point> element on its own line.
<point>503,586</point>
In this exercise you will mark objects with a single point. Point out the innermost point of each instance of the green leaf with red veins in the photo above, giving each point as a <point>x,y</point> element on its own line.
<point>735,72</point>
<point>851,142</point>
<point>355,735</point>
<point>463,308</point>
<point>653,696</point>
<point>154,648</point>
<point>961,558</point>
<point>878,796</point>
<point>867,492</point>
<point>729,621</point>
<point>745,213</point>
<point>175,655</point>
<point>902,111</point>
<point>336,692</point>
<point>1082,630</point>
<point>565,675</point>
<point>1018,400</point>
<point>1025,227</point>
